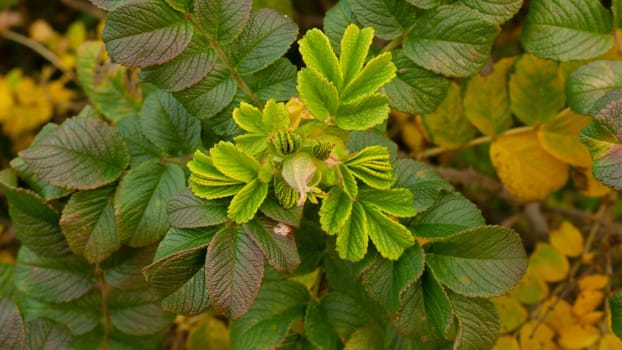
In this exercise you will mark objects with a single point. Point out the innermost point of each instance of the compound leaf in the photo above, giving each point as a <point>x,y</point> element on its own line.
<point>222,20</point>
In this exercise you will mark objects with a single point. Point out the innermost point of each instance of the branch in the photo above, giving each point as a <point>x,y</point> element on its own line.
<point>38,48</point>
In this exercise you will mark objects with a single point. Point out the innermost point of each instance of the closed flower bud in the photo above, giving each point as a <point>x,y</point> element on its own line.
<point>322,150</point>
<point>285,194</point>
<point>285,143</point>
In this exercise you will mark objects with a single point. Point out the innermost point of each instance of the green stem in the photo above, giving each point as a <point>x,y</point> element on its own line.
<point>38,48</point>
<point>105,310</point>
<point>431,152</point>
<point>223,57</point>
<point>395,42</point>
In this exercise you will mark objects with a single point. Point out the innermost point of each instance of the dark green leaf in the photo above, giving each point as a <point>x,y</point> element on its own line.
<point>450,214</point>
<point>186,210</point>
<point>565,30</point>
<point>11,326</point>
<point>141,149</point>
<point>336,21</point>
<point>80,316</point>
<point>589,83</point>
<point>234,269</point>
<point>137,313</point>
<point>191,298</point>
<point>497,11</point>
<point>185,70</point>
<point>277,81</point>
<point>181,5</point>
<point>389,18</point>
<point>7,283</point>
<point>140,203</point>
<point>370,337</point>
<point>35,223</point>
<point>602,138</point>
<point>41,187</point>
<point>615,304</point>
<point>89,226</point>
<point>344,313</point>
<point>45,334</point>
<point>222,20</point>
<point>422,181</point>
<point>211,95</point>
<point>386,280</point>
<point>484,261</point>
<point>279,248</point>
<point>415,90</point>
<point>266,37</point>
<point>160,35</point>
<point>53,279</point>
<point>80,154</point>
<point>452,40</point>
<point>318,329</point>
<point>478,322</point>
<point>123,270</point>
<point>179,256</point>
<point>278,305</point>
<point>272,209</point>
<point>167,124</point>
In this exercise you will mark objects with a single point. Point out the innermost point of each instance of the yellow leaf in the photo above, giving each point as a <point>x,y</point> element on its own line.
<point>593,282</point>
<point>511,312</point>
<point>587,301</point>
<point>6,100</point>
<point>506,342</point>
<point>42,32</point>
<point>567,239</point>
<point>297,112</point>
<point>541,339</point>
<point>560,137</point>
<point>76,34</point>
<point>585,182</point>
<point>591,318</point>
<point>209,334</point>
<point>578,337</point>
<point>531,288</point>
<point>557,313</point>
<point>588,257</point>
<point>412,137</point>
<point>610,342</point>
<point>549,263</point>
<point>6,257</point>
<point>525,168</point>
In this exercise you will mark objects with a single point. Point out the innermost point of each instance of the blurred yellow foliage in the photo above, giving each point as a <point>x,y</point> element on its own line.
<point>25,105</point>
<point>567,239</point>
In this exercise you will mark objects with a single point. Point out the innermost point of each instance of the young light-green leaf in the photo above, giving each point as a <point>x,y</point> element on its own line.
<point>318,54</point>
<point>565,30</point>
<point>234,163</point>
<point>245,203</point>
<point>335,211</point>
<point>363,113</point>
<point>160,35</point>
<point>396,201</point>
<point>355,45</point>
<point>390,237</point>
<point>318,94</point>
<point>352,240</point>
<point>82,153</point>
<point>376,73</point>
<point>452,40</point>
